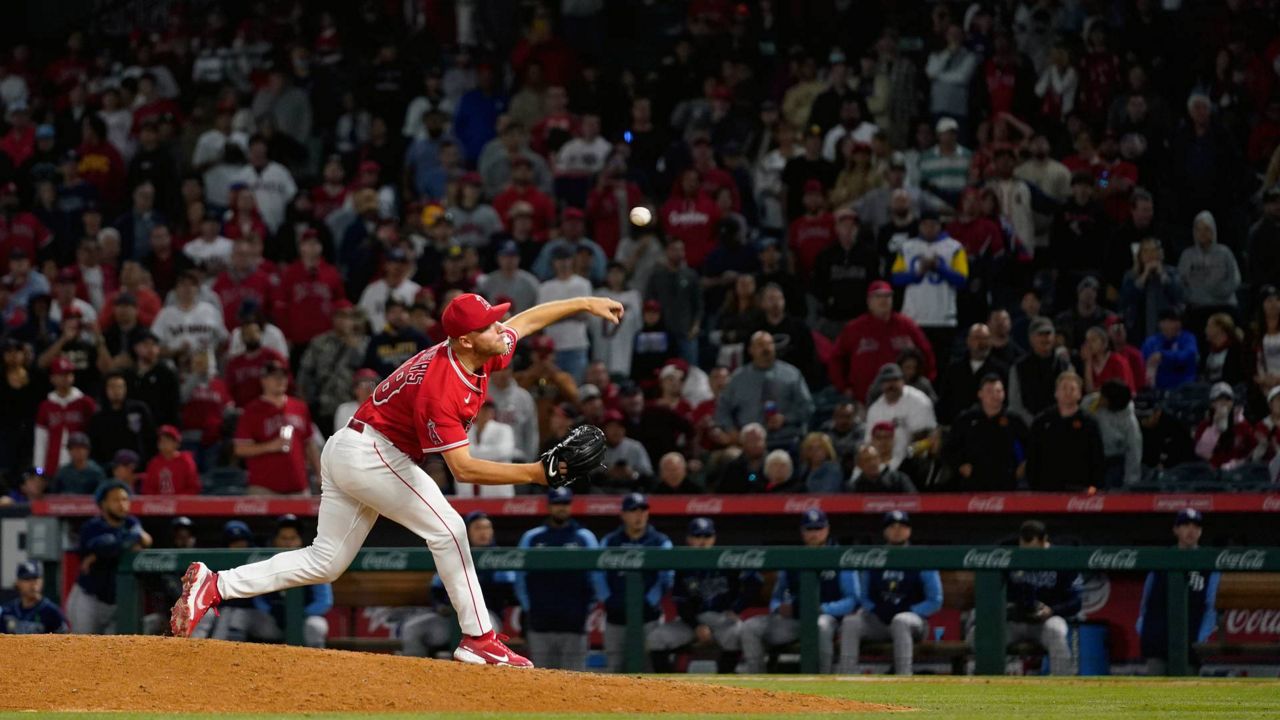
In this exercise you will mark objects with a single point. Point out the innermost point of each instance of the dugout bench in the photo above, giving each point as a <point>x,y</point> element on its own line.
<point>988,564</point>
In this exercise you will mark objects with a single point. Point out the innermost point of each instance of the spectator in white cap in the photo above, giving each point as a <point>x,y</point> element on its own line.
<point>1224,438</point>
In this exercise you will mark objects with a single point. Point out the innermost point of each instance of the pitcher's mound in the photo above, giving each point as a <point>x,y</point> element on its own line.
<point>165,675</point>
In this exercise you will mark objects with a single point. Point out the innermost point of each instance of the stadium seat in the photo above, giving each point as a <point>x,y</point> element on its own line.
<point>225,481</point>
<point>1191,477</point>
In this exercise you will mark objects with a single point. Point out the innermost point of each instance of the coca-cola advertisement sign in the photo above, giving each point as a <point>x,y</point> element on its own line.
<point>1256,625</point>
<point>993,504</point>
<point>704,506</point>
<point>1086,504</point>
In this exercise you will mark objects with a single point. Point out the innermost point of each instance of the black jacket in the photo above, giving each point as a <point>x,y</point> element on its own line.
<point>959,385</point>
<point>994,446</point>
<point>1065,453</point>
<point>841,278</point>
<point>128,428</point>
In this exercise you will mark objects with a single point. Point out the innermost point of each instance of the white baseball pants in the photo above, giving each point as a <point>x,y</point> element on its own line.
<point>362,476</point>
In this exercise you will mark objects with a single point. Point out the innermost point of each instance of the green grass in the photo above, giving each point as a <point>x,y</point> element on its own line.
<point>932,698</point>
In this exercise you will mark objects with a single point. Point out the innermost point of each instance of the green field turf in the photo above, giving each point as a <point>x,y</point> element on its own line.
<point>932,698</point>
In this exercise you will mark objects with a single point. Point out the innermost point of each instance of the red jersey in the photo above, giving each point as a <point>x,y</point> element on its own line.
<point>203,410</point>
<point>56,418</point>
<point>304,304</point>
<point>1115,368</point>
<point>607,217</point>
<point>427,405</point>
<point>808,236</point>
<point>325,200</point>
<point>692,220</point>
<point>244,373</point>
<point>256,286</point>
<point>102,167</point>
<point>281,472</point>
<point>544,208</point>
<point>866,344</point>
<point>713,179</point>
<point>22,231</point>
<point>171,476</point>
<point>564,122</point>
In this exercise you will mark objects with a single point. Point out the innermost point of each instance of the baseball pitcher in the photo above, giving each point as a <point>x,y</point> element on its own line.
<point>371,468</point>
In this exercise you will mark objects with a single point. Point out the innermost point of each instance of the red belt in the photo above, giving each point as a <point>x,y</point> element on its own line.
<point>356,425</point>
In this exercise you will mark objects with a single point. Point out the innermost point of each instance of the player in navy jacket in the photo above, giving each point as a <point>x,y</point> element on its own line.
<point>635,532</point>
<point>91,605</point>
<point>894,605</point>
<point>434,628</point>
<point>1040,602</point>
<point>707,603</point>
<point>1202,595</point>
<point>837,595</point>
<point>317,599</point>
<point>31,612</point>
<point>556,604</point>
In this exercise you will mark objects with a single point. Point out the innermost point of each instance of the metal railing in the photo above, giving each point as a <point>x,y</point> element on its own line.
<point>988,563</point>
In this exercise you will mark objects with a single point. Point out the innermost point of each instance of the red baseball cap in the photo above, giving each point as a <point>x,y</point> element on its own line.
<point>883,426</point>
<point>170,431</point>
<point>573,213</point>
<point>470,312</point>
<point>61,366</point>
<point>366,374</point>
<point>878,287</point>
<point>370,166</point>
<point>813,186</point>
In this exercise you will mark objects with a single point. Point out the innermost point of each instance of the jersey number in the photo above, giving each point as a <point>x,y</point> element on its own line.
<point>410,373</point>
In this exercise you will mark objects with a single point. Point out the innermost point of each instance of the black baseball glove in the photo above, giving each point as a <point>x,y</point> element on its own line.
<point>581,452</point>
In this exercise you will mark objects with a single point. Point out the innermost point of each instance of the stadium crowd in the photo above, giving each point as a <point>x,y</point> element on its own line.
<point>992,246</point>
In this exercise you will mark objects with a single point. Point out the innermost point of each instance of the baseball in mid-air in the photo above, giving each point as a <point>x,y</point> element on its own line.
<point>641,216</point>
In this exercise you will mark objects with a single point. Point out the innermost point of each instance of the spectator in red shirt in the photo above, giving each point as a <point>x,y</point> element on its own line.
<point>19,229</point>
<point>205,404</point>
<point>101,164</point>
<point>557,126</point>
<point>309,287</point>
<point>873,340</point>
<point>134,282</point>
<point>331,193</point>
<point>1099,76</point>
<point>64,411</point>
<point>691,216</point>
<point>1131,355</point>
<point>244,371</point>
<point>171,471</point>
<point>1101,364</point>
<point>20,142</point>
<point>1224,438</point>
<point>243,219</point>
<point>711,176</point>
<point>609,205</point>
<point>240,282</point>
<point>812,232</point>
<point>522,189</point>
<point>273,437</point>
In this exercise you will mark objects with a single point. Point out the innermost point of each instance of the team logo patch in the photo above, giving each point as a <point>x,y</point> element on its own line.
<point>432,433</point>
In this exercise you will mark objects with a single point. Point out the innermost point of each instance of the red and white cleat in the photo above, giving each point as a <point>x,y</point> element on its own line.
<point>488,649</point>
<point>199,596</point>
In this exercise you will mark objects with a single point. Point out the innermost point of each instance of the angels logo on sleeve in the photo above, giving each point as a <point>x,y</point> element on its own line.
<point>433,433</point>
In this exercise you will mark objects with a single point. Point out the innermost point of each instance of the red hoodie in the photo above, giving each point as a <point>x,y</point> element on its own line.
<point>867,344</point>
<point>304,303</point>
<point>692,220</point>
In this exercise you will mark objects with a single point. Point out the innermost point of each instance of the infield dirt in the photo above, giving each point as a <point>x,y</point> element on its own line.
<point>155,674</point>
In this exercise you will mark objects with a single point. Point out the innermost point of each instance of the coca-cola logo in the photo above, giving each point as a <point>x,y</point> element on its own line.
<point>704,506</point>
<point>1178,502</point>
<point>156,562</point>
<point>1253,622</point>
<point>888,504</point>
<point>799,505</point>
<point>249,507</point>
<point>385,560</point>
<point>520,506</point>
<point>621,560</point>
<point>1271,503</point>
<point>1086,504</point>
<point>997,558</point>
<point>501,560</point>
<point>1241,560</point>
<point>869,558</point>
<point>994,504</point>
<point>752,559</point>
<point>1123,559</point>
